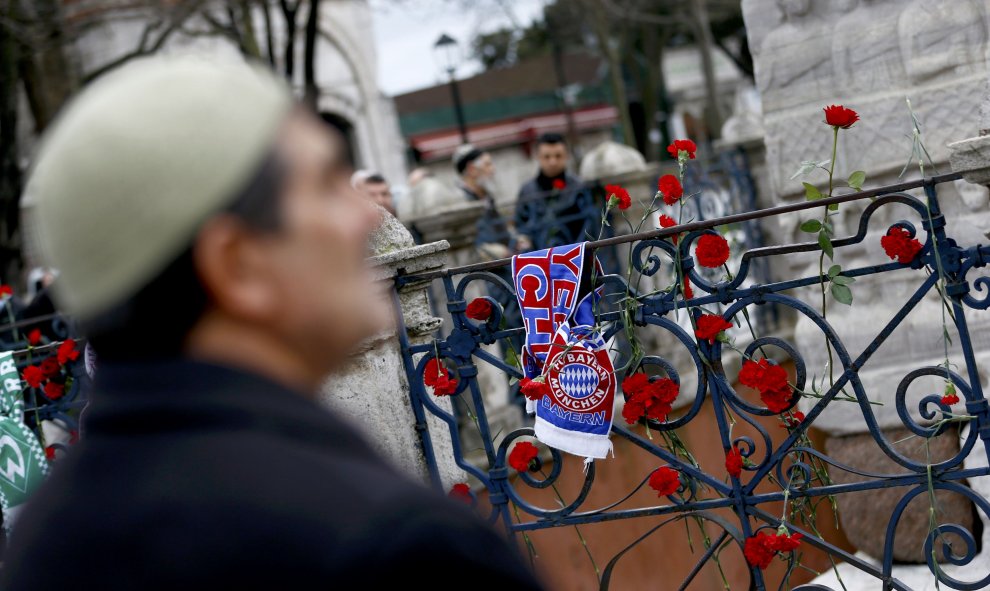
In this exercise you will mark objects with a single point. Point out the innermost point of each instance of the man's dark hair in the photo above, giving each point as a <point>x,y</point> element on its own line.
<point>550,138</point>
<point>376,179</point>
<point>155,321</point>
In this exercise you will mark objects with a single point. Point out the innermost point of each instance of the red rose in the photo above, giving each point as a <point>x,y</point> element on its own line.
<point>711,251</point>
<point>839,116</point>
<point>444,386</point>
<point>522,456</point>
<point>671,188</point>
<point>50,367</point>
<point>710,326</point>
<point>665,481</point>
<point>479,309</point>
<point>54,391</point>
<point>67,351</point>
<point>50,453</point>
<point>793,420</point>
<point>461,492</point>
<point>899,245</point>
<point>678,146</point>
<point>559,184</point>
<point>950,399</point>
<point>786,542</point>
<point>34,337</point>
<point>734,462</point>
<point>6,291</point>
<point>759,550</point>
<point>534,389</point>
<point>617,196</point>
<point>33,376</point>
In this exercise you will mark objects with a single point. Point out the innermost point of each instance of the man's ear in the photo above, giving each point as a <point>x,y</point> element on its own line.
<point>232,264</point>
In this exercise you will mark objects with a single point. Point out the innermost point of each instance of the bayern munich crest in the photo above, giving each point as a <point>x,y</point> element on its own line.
<point>580,380</point>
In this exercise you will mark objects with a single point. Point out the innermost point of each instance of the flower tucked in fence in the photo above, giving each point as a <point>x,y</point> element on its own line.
<point>479,309</point>
<point>67,351</point>
<point>771,381</point>
<point>54,390</point>
<point>461,492</point>
<point>793,419</point>
<point>33,376</point>
<point>734,462</point>
<point>666,221</point>
<point>437,377</point>
<point>534,389</point>
<point>712,251</point>
<point>646,399</point>
<point>522,457</point>
<point>761,548</point>
<point>899,245</point>
<point>950,396</point>
<point>34,337</point>
<point>617,197</point>
<point>671,188</point>
<point>710,327</point>
<point>665,480</point>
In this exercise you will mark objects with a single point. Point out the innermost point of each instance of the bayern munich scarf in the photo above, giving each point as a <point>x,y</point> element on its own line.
<point>557,299</point>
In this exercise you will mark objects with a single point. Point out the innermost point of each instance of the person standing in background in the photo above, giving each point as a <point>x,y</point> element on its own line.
<point>476,175</point>
<point>549,209</point>
<point>374,186</point>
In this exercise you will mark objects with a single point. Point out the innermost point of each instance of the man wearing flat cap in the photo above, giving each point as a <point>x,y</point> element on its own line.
<point>212,250</point>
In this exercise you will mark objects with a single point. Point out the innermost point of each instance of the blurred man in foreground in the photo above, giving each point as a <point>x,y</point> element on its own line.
<point>213,251</point>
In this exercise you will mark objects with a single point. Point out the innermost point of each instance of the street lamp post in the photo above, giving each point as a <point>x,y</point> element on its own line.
<point>447,53</point>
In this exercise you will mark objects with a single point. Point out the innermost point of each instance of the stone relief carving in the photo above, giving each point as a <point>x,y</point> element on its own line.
<point>796,62</point>
<point>865,52</point>
<point>941,37</point>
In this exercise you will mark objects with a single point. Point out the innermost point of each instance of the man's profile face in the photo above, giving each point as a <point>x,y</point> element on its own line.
<point>552,159</point>
<point>483,167</point>
<point>316,261</point>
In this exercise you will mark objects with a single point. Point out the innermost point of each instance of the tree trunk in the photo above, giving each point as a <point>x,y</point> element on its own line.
<point>10,171</point>
<point>312,92</point>
<point>289,11</point>
<point>600,25</point>
<point>703,36</point>
<point>49,78</point>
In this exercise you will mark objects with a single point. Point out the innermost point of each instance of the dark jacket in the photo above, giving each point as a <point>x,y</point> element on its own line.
<point>551,217</point>
<point>194,476</point>
<point>492,227</point>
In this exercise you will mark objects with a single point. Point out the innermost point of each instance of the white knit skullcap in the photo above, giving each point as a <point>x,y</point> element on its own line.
<point>136,163</point>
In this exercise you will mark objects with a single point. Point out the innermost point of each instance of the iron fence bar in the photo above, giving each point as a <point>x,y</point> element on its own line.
<point>702,225</point>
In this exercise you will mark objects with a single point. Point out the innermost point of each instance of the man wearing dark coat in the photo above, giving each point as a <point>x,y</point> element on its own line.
<point>212,250</point>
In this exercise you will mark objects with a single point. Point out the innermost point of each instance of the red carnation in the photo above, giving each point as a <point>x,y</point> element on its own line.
<point>433,372</point>
<point>678,146</point>
<point>759,550</point>
<point>899,245</point>
<point>67,351</point>
<point>479,309</point>
<point>444,386</point>
<point>461,492</point>
<point>34,337</point>
<point>712,251</point>
<point>665,481</point>
<point>786,542</point>
<point>668,222</point>
<point>33,376</point>
<point>559,184</point>
<point>688,291</point>
<point>734,462</point>
<point>950,399</point>
<point>54,391</point>
<point>50,453</point>
<point>671,188</point>
<point>617,196</point>
<point>648,399</point>
<point>710,326</point>
<point>839,116</point>
<point>50,367</point>
<point>534,389</point>
<point>6,291</point>
<point>793,420</point>
<point>522,456</point>
<point>771,380</point>
<point>777,399</point>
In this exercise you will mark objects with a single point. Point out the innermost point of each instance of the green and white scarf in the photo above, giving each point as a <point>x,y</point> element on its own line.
<point>23,466</point>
